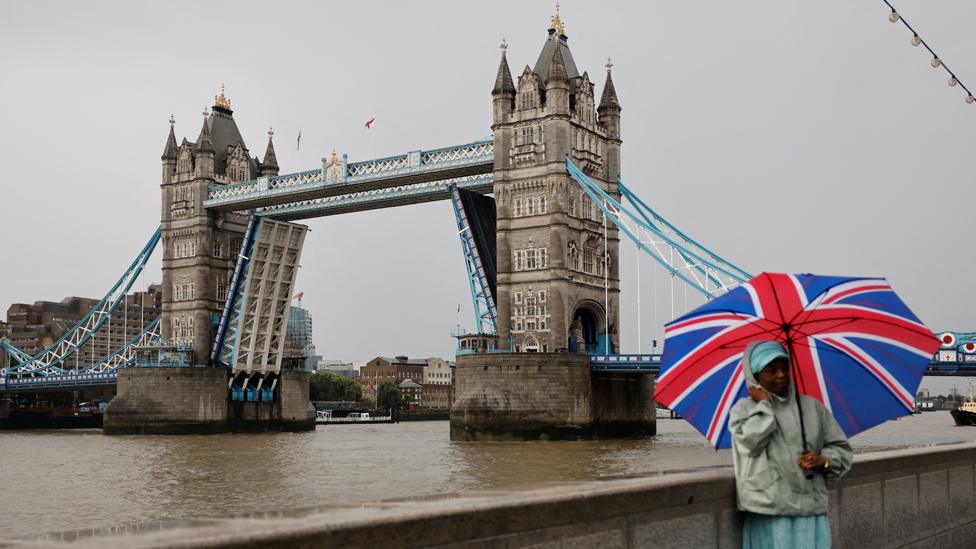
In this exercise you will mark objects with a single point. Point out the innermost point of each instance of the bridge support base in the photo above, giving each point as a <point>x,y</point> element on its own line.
<point>168,401</point>
<point>547,396</point>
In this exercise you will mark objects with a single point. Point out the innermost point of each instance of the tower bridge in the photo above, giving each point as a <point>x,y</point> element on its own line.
<point>540,208</point>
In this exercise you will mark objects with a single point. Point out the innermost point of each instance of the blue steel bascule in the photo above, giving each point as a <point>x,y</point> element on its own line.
<point>460,173</point>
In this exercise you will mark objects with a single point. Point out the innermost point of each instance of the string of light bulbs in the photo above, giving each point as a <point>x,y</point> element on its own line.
<point>937,61</point>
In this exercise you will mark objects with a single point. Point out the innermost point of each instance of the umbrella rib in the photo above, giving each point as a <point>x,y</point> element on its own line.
<point>854,319</point>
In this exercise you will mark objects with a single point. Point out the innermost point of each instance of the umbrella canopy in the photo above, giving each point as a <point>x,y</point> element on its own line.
<point>855,346</point>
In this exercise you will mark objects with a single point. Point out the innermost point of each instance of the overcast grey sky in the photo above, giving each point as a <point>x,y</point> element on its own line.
<point>787,136</point>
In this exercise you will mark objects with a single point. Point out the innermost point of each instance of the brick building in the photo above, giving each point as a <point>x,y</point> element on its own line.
<point>433,378</point>
<point>396,370</point>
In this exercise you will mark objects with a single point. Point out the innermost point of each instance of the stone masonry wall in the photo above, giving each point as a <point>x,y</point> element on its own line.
<point>521,396</point>
<point>168,400</point>
<point>909,499</point>
<point>297,413</point>
<point>623,404</point>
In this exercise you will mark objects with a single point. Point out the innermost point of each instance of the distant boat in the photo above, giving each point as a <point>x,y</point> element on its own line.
<point>325,418</point>
<point>966,413</point>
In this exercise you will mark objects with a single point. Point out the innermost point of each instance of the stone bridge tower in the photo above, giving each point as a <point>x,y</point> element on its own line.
<point>558,273</point>
<point>200,247</point>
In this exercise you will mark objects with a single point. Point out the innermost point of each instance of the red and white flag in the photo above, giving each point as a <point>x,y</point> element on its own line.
<point>369,123</point>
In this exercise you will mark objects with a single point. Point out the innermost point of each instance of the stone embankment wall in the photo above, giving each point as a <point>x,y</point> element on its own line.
<point>898,499</point>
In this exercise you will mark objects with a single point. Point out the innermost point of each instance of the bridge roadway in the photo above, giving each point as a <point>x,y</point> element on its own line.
<point>343,187</point>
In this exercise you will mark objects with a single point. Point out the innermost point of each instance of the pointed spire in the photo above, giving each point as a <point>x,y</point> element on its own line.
<point>609,99</point>
<point>557,68</point>
<point>503,82</point>
<point>169,153</point>
<point>270,164</point>
<point>204,143</point>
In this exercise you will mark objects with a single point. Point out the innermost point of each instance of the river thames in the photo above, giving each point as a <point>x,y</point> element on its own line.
<point>81,479</point>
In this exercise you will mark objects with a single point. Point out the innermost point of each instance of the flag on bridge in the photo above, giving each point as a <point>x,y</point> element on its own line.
<point>369,123</point>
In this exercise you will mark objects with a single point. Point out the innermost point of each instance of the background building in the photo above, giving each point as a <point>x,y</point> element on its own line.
<point>431,380</point>
<point>397,370</point>
<point>339,367</point>
<point>299,351</point>
<point>438,387</point>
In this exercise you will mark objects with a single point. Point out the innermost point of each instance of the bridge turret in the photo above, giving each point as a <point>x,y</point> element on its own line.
<point>557,84</point>
<point>169,153</point>
<point>270,164</point>
<point>557,270</point>
<point>609,111</point>
<point>204,167</point>
<point>503,94</point>
<point>609,108</point>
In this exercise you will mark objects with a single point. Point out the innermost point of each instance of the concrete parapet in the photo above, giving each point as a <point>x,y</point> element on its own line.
<point>168,401</point>
<point>904,499</point>
<point>523,396</point>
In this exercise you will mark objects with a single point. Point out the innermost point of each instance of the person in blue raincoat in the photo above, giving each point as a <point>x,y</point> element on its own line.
<point>780,488</point>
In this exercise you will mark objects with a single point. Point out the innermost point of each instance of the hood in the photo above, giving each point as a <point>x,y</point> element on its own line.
<point>751,377</point>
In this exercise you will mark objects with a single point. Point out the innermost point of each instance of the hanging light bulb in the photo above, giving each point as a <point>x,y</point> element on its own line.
<point>893,17</point>
<point>936,62</point>
<point>970,99</point>
<point>953,81</point>
<point>916,40</point>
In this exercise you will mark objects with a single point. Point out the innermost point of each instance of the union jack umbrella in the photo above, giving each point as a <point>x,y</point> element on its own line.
<point>855,346</point>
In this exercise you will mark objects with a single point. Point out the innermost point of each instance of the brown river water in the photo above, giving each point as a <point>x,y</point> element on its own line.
<point>80,479</point>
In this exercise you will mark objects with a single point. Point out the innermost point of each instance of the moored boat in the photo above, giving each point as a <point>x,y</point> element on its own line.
<point>965,414</point>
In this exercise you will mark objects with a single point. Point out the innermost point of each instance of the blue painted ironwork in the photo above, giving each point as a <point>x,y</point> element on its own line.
<point>91,374</point>
<point>653,219</point>
<point>695,265</point>
<point>60,381</point>
<point>396,171</point>
<point>485,313</point>
<point>643,363</point>
<point>50,360</point>
<point>225,344</point>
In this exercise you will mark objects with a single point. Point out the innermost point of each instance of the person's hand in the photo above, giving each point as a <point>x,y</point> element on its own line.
<point>812,461</point>
<point>757,394</point>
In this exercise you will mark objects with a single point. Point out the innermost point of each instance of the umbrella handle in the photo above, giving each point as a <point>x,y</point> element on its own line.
<point>796,393</point>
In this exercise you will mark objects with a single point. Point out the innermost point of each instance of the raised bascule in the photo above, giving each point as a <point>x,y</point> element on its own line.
<point>540,210</point>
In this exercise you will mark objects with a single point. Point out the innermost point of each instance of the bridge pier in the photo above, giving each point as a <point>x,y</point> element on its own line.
<point>174,400</point>
<point>168,400</point>
<point>547,396</point>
